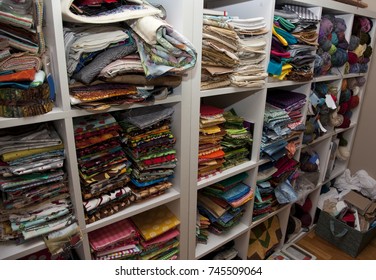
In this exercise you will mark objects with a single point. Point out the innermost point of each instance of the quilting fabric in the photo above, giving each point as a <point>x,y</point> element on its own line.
<point>264,238</point>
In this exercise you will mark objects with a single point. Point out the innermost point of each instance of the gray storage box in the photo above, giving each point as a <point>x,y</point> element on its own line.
<point>344,237</point>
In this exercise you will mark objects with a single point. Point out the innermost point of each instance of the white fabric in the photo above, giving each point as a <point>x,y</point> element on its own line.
<point>147,27</point>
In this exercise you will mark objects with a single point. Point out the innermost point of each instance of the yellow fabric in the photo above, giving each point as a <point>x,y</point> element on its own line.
<point>211,129</point>
<point>20,154</point>
<point>155,222</point>
<point>279,37</point>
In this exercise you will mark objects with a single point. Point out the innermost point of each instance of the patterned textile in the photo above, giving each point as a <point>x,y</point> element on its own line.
<point>264,238</point>
<point>154,222</point>
<point>21,61</point>
<point>102,238</point>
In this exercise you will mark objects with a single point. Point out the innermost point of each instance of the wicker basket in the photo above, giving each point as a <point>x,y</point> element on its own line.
<point>344,237</point>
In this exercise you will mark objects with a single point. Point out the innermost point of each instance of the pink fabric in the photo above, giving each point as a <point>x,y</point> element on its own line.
<point>161,238</point>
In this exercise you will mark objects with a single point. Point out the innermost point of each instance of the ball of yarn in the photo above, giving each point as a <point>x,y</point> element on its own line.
<point>365,24</point>
<point>326,45</point>
<point>345,123</point>
<point>339,58</point>
<point>326,26</point>
<point>363,68</point>
<point>364,38</point>
<point>317,65</point>
<point>339,25</point>
<point>341,36</point>
<point>360,81</point>
<point>336,119</point>
<point>355,68</point>
<point>368,52</point>
<point>346,69</point>
<point>353,102</point>
<point>309,128</point>
<point>352,58</point>
<point>344,84</point>
<point>354,42</point>
<point>364,60</point>
<point>306,220</point>
<point>348,114</point>
<point>360,50</point>
<point>352,83</point>
<point>355,90</point>
<point>343,153</point>
<point>334,39</point>
<point>343,108</point>
<point>321,89</point>
<point>307,206</point>
<point>345,96</point>
<point>343,45</point>
<point>342,141</point>
<point>327,63</point>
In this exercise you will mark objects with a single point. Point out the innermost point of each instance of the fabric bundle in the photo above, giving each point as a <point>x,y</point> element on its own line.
<point>250,72</point>
<point>159,234</point>
<point>119,240</point>
<point>360,50</point>
<point>293,43</point>
<point>333,45</point>
<point>26,84</point>
<point>219,52</point>
<point>103,166</point>
<point>224,203</point>
<point>149,144</point>
<point>202,232</point>
<point>282,123</point>
<point>35,196</point>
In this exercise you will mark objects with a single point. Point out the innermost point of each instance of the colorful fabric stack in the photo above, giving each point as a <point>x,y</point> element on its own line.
<point>251,70</point>
<point>149,144</point>
<point>120,240</point>
<point>219,52</point>
<point>25,76</point>
<point>333,45</point>
<point>35,195</point>
<point>360,49</point>
<point>282,123</point>
<point>293,43</point>
<point>211,154</point>
<point>159,233</point>
<point>103,165</point>
<point>224,202</point>
<point>202,233</point>
<point>237,142</point>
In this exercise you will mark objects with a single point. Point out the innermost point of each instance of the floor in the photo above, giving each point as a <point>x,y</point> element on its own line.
<point>323,250</point>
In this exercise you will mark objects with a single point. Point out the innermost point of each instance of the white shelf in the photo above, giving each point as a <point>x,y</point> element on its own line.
<point>265,218</point>
<point>215,241</point>
<point>226,174</point>
<point>10,251</point>
<point>226,90</point>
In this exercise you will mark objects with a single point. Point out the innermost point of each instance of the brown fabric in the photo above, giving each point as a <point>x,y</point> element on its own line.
<point>133,79</point>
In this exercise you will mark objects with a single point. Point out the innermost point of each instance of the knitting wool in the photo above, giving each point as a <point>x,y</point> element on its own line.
<point>339,25</point>
<point>354,42</point>
<point>352,58</point>
<point>368,52</point>
<point>339,58</point>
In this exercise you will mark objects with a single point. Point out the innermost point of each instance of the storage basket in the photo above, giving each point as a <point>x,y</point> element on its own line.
<point>344,237</point>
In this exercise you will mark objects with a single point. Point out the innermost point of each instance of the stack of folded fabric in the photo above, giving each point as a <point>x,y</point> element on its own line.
<point>333,45</point>
<point>294,40</point>
<point>24,66</point>
<point>219,52</point>
<point>265,201</point>
<point>360,49</point>
<point>224,202</point>
<point>119,240</point>
<point>159,234</point>
<point>251,70</point>
<point>35,195</point>
<point>202,233</point>
<point>149,144</point>
<point>282,122</point>
<point>211,154</point>
<point>237,142</point>
<point>103,165</point>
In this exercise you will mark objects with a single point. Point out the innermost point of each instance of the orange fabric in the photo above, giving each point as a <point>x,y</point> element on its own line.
<point>20,76</point>
<point>216,154</point>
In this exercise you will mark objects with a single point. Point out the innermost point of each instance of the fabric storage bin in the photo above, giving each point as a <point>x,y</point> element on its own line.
<point>344,237</point>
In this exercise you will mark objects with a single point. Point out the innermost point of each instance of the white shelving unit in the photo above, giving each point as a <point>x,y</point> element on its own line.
<point>186,17</point>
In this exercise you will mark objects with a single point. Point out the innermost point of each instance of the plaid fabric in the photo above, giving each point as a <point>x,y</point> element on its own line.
<point>102,238</point>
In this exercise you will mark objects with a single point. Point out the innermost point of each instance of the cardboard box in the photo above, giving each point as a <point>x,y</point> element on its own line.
<point>360,202</point>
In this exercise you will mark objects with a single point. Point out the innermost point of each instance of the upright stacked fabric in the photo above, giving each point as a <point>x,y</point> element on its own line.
<point>149,144</point>
<point>251,70</point>
<point>293,43</point>
<point>224,202</point>
<point>211,154</point>
<point>202,225</point>
<point>35,195</point>
<point>103,165</point>
<point>24,64</point>
<point>282,121</point>
<point>159,233</point>
<point>119,240</point>
<point>219,52</point>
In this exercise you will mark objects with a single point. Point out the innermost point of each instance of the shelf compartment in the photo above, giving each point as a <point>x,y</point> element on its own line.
<point>275,212</point>
<point>215,241</point>
<point>134,209</point>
